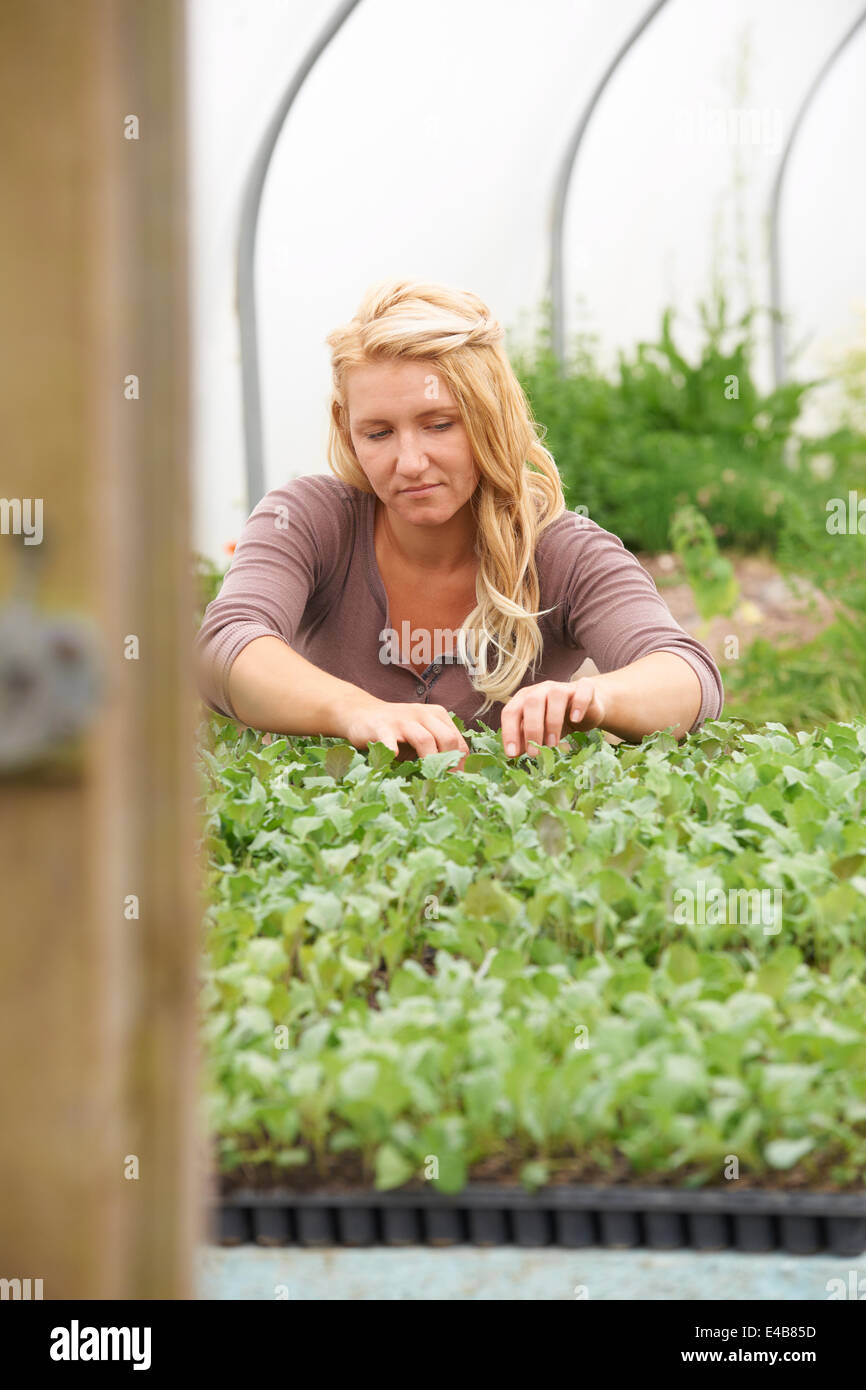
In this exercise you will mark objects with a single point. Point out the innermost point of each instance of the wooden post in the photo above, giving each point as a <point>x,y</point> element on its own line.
<point>99,1153</point>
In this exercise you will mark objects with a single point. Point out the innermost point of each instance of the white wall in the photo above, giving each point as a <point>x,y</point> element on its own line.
<point>425,142</point>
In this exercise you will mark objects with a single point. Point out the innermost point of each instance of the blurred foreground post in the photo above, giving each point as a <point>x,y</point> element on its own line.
<point>99,1156</point>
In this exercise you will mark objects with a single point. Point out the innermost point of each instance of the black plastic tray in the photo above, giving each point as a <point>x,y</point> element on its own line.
<point>617,1218</point>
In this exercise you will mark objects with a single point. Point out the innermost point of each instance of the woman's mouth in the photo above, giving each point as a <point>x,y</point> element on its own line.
<point>420,491</point>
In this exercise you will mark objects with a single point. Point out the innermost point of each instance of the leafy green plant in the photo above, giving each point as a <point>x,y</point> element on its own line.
<point>495,967</point>
<point>710,575</point>
<point>662,433</point>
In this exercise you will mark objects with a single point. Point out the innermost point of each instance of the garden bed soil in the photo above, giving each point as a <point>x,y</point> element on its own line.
<point>346,1173</point>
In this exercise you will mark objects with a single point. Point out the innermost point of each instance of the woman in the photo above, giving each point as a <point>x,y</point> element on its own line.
<point>440,564</point>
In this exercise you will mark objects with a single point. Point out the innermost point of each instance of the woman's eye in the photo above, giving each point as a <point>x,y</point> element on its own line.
<point>446,425</point>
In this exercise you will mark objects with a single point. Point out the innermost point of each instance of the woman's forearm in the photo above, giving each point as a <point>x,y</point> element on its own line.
<point>273,688</point>
<point>650,694</point>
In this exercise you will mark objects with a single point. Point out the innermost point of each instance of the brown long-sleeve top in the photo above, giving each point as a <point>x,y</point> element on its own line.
<point>305,570</point>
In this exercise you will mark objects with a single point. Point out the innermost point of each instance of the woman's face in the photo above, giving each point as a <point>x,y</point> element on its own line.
<point>407,433</point>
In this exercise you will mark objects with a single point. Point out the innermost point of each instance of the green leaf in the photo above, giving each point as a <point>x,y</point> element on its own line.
<point>358,1079</point>
<point>477,762</point>
<point>507,965</point>
<point>380,756</point>
<point>338,760</point>
<point>358,969</point>
<point>488,899</point>
<point>784,1153</point>
<point>534,1175</point>
<point>393,1169</point>
<point>435,764</point>
<point>253,1021</point>
<point>681,963</point>
<point>848,865</point>
<point>452,1172</point>
<point>291,1158</point>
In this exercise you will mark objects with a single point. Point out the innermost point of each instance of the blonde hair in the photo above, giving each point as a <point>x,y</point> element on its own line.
<point>519,492</point>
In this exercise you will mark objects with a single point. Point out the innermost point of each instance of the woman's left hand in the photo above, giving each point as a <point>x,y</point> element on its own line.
<point>546,713</point>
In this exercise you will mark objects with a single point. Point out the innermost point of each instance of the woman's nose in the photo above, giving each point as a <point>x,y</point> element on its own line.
<point>411,456</point>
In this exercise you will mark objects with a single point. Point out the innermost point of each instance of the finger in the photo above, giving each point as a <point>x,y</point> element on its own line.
<point>534,713</point>
<point>447,736</point>
<point>447,731</point>
<point>420,737</point>
<point>450,739</point>
<point>581,700</point>
<point>510,727</point>
<point>445,744</point>
<point>459,766</point>
<point>558,699</point>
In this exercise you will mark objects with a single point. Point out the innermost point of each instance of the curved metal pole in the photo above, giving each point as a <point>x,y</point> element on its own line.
<point>563,180</point>
<point>246,296</point>
<point>775,201</point>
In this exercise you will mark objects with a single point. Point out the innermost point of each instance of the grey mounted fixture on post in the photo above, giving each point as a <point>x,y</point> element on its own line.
<point>557,298</point>
<point>246,294</point>
<point>776,198</point>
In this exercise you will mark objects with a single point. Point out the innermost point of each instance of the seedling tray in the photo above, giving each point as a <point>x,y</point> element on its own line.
<point>616,1218</point>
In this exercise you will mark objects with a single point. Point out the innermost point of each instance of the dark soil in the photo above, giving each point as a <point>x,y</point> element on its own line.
<point>346,1173</point>
<point>379,977</point>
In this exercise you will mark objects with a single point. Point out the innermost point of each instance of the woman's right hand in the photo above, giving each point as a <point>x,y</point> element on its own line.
<point>422,728</point>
